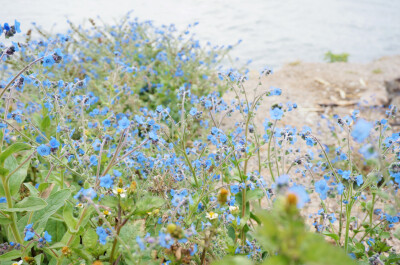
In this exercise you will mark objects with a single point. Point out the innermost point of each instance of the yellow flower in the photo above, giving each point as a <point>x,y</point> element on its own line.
<point>223,196</point>
<point>106,212</point>
<point>212,215</point>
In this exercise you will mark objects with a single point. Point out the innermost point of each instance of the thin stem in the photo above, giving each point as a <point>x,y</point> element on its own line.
<point>19,73</point>
<point>13,216</point>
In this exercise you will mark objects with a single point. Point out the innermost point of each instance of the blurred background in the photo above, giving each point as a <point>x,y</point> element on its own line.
<point>273,32</point>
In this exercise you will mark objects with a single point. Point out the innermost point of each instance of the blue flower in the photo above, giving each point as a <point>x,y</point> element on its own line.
<point>102,233</point>
<point>106,123</point>
<point>43,150</point>
<point>6,27</point>
<point>47,236</point>
<point>3,199</point>
<point>17,26</point>
<point>345,174</point>
<point>368,151</point>
<point>140,243</point>
<point>276,113</point>
<point>301,193</point>
<point>193,111</point>
<point>106,181</point>
<point>89,193</point>
<point>234,189</point>
<point>275,91</point>
<point>193,250</point>
<point>359,180</point>
<point>340,188</point>
<point>93,160</point>
<point>165,240</point>
<point>361,130</point>
<point>29,233</point>
<point>54,143</point>
<point>322,188</point>
<point>282,180</point>
<point>153,136</point>
<point>48,61</point>
<point>310,141</point>
<point>124,123</point>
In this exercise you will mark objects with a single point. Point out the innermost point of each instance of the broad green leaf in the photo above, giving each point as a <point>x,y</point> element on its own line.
<point>130,231</point>
<point>39,259</point>
<point>69,218</point>
<point>56,229</point>
<point>90,238</point>
<point>256,194</point>
<point>28,204</point>
<point>147,204</point>
<point>43,186</point>
<point>14,254</point>
<point>14,148</point>
<point>315,250</point>
<point>4,220</point>
<point>54,202</point>
<point>83,254</point>
<point>19,176</point>
<point>45,123</point>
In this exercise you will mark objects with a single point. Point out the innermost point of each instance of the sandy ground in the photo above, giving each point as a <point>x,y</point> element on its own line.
<point>322,88</point>
<point>325,88</point>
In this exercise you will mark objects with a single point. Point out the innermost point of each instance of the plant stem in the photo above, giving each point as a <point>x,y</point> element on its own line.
<point>13,225</point>
<point>348,217</point>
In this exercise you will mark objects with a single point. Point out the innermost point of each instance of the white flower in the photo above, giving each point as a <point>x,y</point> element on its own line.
<point>120,191</point>
<point>17,263</point>
<point>233,209</point>
<point>212,215</point>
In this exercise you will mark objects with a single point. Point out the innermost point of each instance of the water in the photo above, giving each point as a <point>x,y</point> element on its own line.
<point>273,31</point>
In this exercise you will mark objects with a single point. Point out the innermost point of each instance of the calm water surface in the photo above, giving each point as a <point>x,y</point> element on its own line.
<point>273,31</point>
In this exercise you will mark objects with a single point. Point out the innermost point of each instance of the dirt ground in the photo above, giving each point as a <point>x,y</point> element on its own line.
<point>323,88</point>
<point>326,88</point>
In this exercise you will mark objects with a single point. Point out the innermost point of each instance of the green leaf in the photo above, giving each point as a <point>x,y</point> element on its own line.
<point>255,194</point>
<point>14,148</point>
<point>233,260</point>
<point>147,204</point>
<point>5,221</point>
<point>315,250</point>
<point>69,219</point>
<point>45,124</point>
<point>43,186</point>
<point>28,204</point>
<point>3,171</point>
<point>39,259</point>
<point>90,238</point>
<point>331,235</point>
<point>255,218</point>
<point>54,202</point>
<point>56,229</point>
<point>19,176</point>
<point>32,189</point>
<point>83,254</point>
<point>14,254</point>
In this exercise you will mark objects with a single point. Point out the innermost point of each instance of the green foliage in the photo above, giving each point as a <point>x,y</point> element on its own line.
<point>336,57</point>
